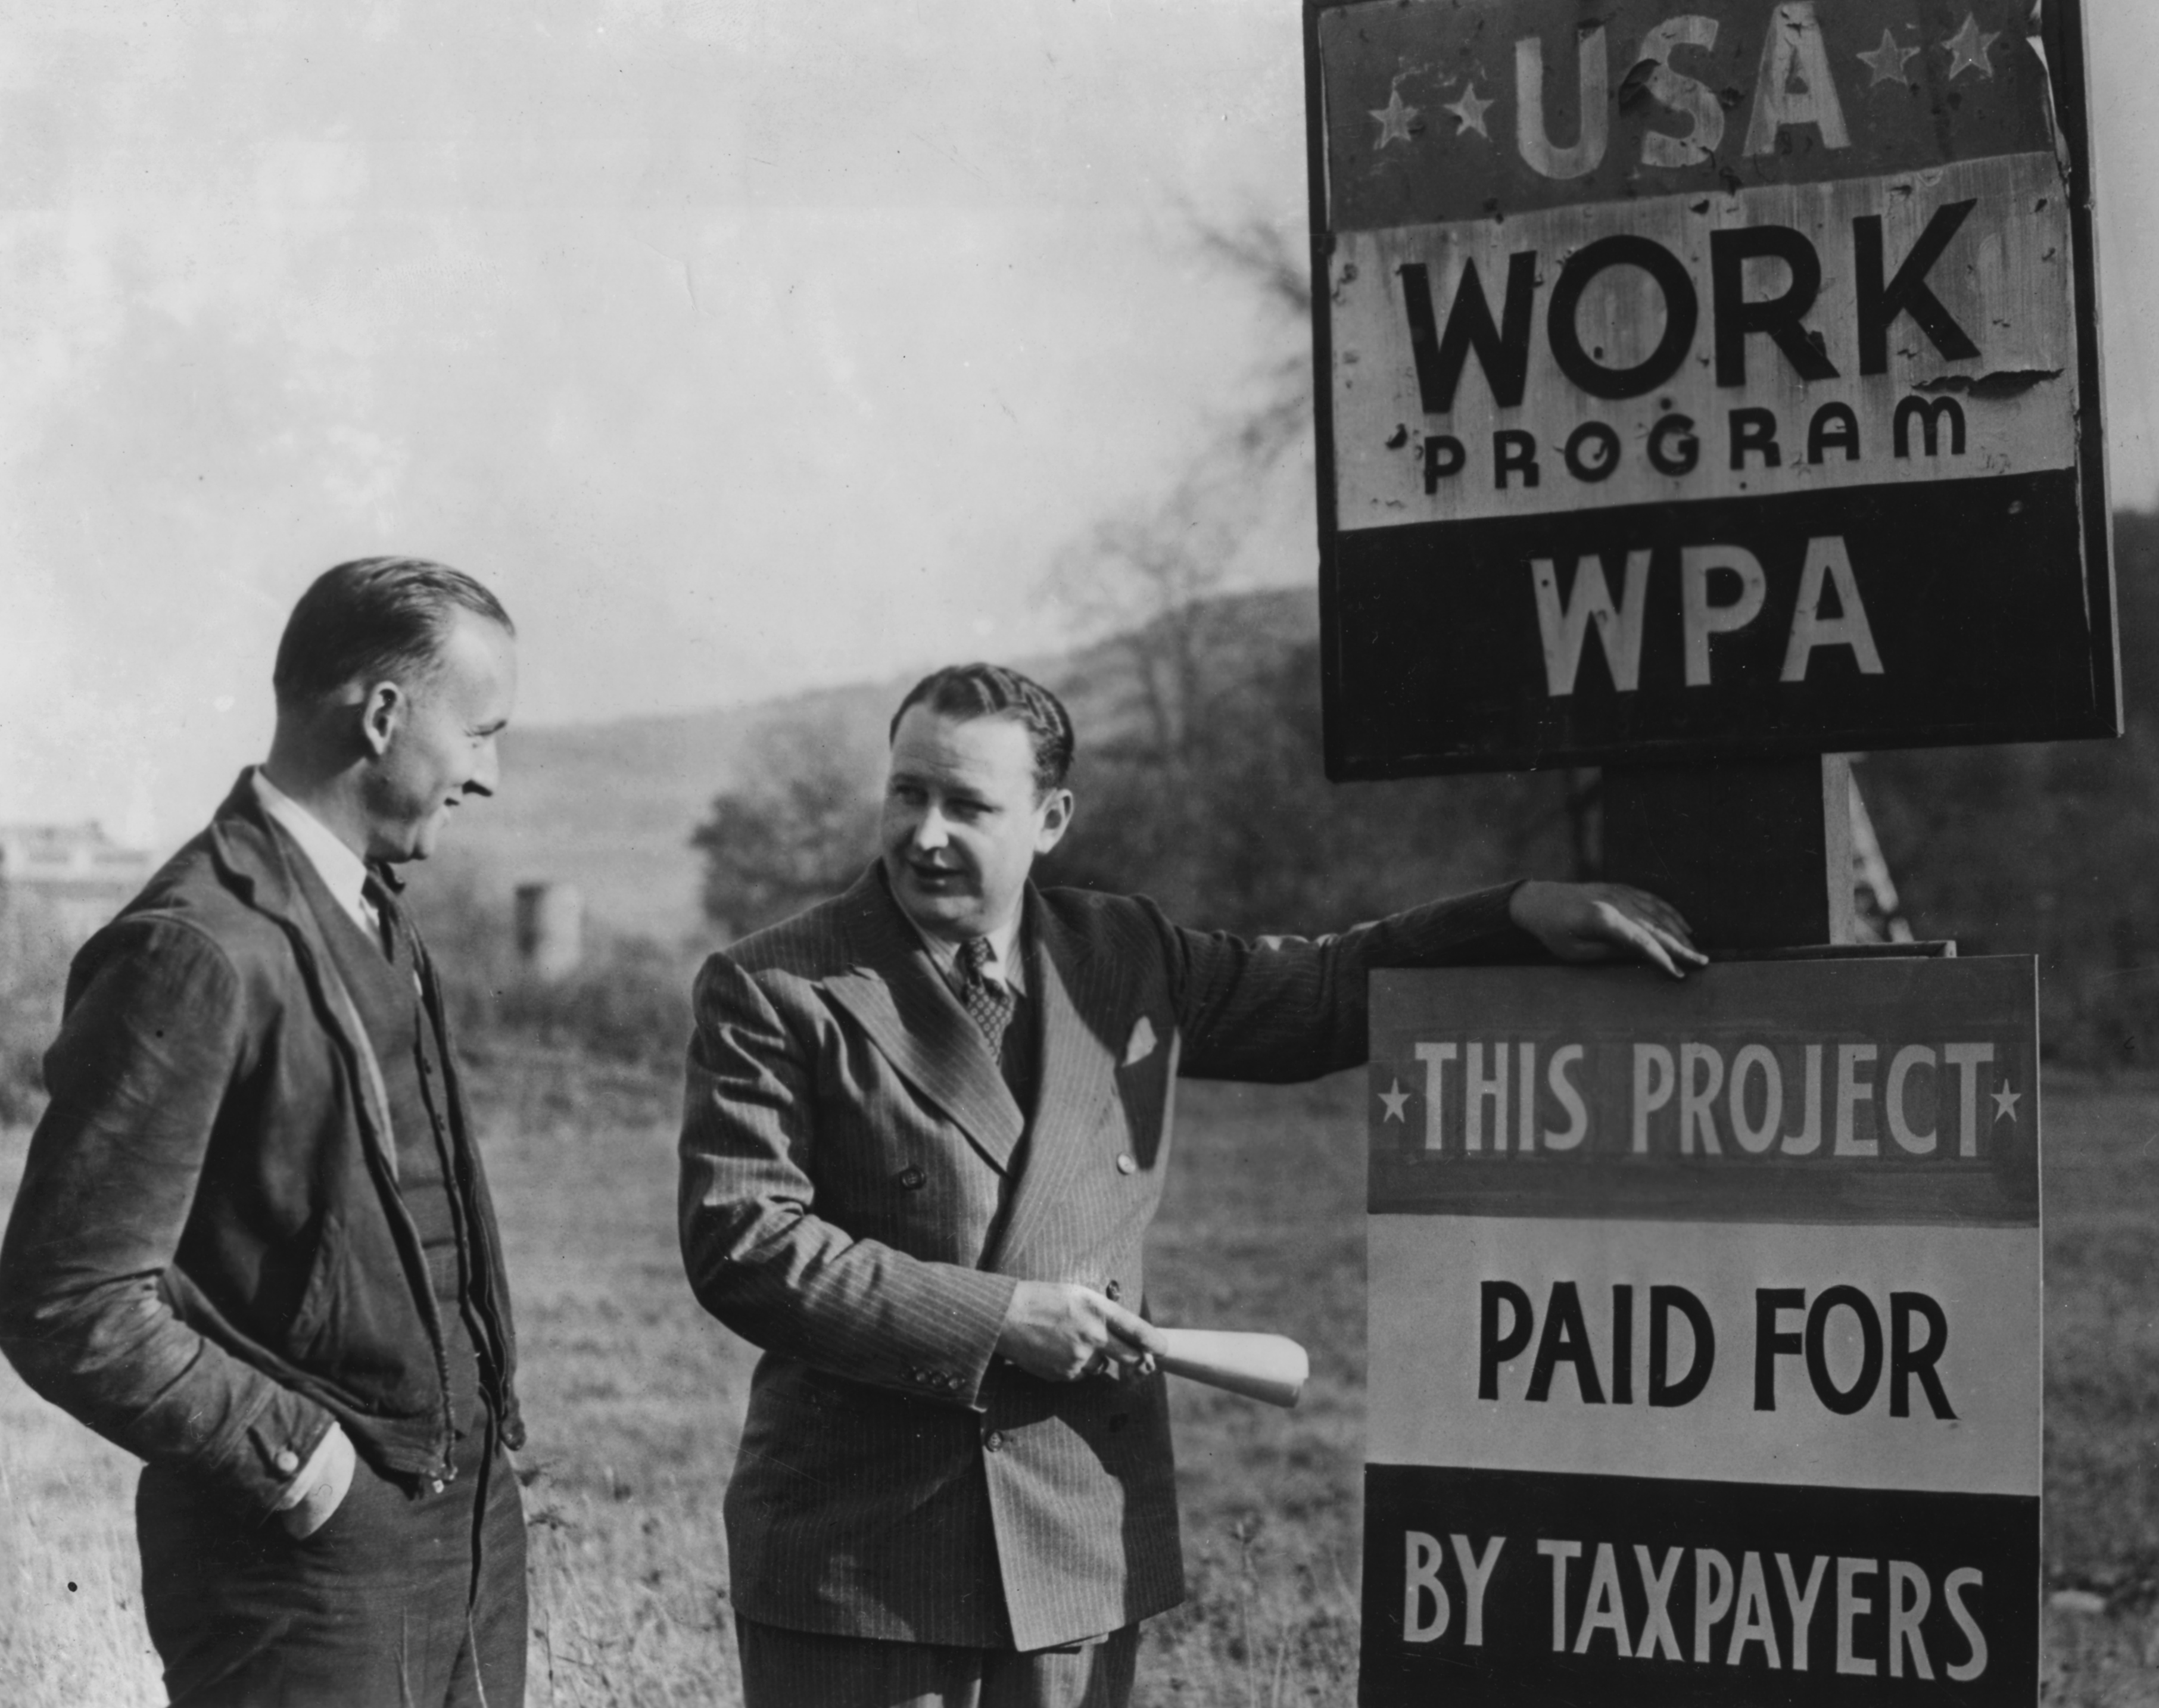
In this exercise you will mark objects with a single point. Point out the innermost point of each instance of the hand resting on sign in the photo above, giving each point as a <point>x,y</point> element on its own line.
<point>1583,921</point>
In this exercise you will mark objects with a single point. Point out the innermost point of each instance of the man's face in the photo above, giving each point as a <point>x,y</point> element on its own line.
<point>439,739</point>
<point>962,824</point>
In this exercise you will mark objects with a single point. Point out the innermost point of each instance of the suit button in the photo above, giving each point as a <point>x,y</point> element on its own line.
<point>1114,1292</point>
<point>1126,1165</point>
<point>994,1440</point>
<point>912,1178</point>
<point>287,1462</point>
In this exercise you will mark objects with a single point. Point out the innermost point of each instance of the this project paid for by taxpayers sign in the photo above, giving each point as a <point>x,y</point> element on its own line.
<point>1704,1337</point>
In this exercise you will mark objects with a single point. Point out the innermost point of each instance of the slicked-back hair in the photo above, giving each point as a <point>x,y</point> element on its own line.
<point>376,620</point>
<point>965,692</point>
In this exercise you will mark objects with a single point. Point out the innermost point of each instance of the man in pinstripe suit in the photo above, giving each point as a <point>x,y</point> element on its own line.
<point>925,1131</point>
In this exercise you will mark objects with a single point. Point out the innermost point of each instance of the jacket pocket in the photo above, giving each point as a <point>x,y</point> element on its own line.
<point>313,1309</point>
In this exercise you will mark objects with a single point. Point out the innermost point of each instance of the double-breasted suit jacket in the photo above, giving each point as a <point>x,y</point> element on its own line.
<point>861,1192</point>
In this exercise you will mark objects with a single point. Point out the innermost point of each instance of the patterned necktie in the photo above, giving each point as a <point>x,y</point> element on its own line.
<point>992,1004</point>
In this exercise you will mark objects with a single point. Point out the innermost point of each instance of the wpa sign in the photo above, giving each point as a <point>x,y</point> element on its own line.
<point>1706,380</point>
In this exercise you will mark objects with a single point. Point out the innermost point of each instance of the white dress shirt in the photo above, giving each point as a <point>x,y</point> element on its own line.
<point>344,873</point>
<point>1005,966</point>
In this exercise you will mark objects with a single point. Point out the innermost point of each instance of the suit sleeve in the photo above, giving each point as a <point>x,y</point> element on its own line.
<point>1290,1008</point>
<point>152,1036</point>
<point>760,1257</point>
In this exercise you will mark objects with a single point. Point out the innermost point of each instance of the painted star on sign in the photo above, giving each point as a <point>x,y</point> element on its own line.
<point>1394,118</point>
<point>1396,1101</point>
<point>1887,61</point>
<point>2005,1102</point>
<point>1968,48</point>
<point>1469,112</point>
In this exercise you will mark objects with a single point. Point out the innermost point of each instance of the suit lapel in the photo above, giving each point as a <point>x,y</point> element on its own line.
<point>253,857</point>
<point>1078,994</point>
<point>897,998</point>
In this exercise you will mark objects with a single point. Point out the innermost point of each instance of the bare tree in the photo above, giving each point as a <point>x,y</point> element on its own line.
<point>1146,581</point>
<point>1280,273</point>
<point>1194,804</point>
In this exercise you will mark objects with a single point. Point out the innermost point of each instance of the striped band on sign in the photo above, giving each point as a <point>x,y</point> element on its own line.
<point>1633,291</point>
<point>1473,92</point>
<point>1863,1357</point>
<point>1855,1091</point>
<point>1488,1587</point>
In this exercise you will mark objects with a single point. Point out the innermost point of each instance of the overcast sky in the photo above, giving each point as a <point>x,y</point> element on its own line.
<point>740,346</point>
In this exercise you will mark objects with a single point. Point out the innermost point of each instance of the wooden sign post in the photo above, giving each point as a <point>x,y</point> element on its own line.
<point>1756,854</point>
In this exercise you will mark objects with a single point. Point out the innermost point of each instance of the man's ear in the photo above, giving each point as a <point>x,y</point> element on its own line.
<point>382,712</point>
<point>1056,820</point>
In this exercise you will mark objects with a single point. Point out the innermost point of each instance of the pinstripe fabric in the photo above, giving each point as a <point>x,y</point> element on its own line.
<point>809,1670</point>
<point>853,1201</point>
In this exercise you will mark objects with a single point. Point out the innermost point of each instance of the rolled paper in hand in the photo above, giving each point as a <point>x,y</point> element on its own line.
<point>1268,1367</point>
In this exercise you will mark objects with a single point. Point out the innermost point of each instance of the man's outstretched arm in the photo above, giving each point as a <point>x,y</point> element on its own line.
<point>1287,1008</point>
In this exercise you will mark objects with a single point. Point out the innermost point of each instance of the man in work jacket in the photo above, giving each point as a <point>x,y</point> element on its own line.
<point>253,1244</point>
<point>925,1131</point>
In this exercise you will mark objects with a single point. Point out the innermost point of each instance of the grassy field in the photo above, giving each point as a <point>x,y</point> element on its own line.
<point>635,1399</point>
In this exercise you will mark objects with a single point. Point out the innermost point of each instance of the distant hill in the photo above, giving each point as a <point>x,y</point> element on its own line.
<point>609,807</point>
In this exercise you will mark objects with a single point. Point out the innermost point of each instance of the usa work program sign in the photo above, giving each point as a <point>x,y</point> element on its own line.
<point>1705,1338</point>
<point>1703,377</point>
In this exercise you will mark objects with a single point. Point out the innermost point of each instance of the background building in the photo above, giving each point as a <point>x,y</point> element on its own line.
<point>74,874</point>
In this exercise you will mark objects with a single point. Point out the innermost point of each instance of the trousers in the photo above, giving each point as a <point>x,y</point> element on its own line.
<point>399,1598</point>
<point>784,1668</point>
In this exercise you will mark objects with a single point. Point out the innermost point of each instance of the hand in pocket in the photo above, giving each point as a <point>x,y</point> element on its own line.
<point>325,1480</point>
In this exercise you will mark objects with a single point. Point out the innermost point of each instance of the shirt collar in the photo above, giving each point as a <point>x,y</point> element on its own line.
<point>343,872</point>
<point>1005,964</point>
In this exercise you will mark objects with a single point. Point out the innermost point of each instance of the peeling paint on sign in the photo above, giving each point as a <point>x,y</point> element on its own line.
<point>1766,342</point>
<point>1610,285</point>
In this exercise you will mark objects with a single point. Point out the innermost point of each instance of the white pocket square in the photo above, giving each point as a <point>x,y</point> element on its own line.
<point>1141,1045</point>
